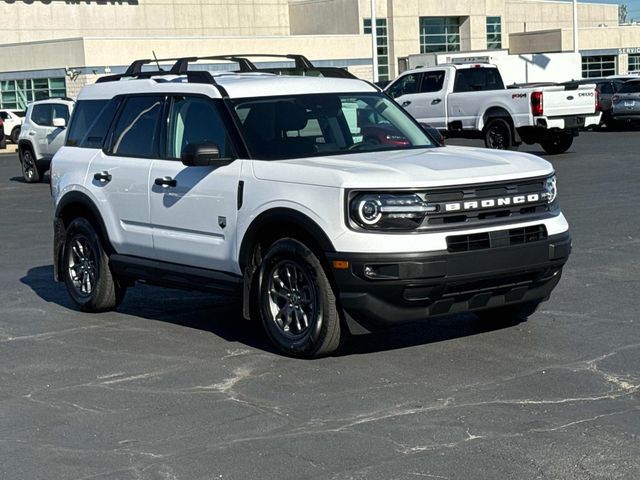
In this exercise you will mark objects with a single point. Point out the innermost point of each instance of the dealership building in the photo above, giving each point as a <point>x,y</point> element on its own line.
<point>52,48</point>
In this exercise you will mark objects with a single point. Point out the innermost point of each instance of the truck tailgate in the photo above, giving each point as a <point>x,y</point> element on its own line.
<point>561,102</point>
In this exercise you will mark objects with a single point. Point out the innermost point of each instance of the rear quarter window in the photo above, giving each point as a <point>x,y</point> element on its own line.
<point>84,116</point>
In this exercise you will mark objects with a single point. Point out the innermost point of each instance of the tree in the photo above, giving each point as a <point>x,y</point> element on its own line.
<point>622,13</point>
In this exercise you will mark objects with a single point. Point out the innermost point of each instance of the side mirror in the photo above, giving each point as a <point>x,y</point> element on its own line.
<point>200,154</point>
<point>433,133</point>
<point>59,122</point>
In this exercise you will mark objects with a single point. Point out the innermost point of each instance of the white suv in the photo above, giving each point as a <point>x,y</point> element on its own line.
<point>12,121</point>
<point>42,134</point>
<point>320,202</point>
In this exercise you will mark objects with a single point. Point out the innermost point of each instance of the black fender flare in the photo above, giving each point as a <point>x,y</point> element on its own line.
<point>279,215</point>
<point>282,215</point>
<point>79,200</point>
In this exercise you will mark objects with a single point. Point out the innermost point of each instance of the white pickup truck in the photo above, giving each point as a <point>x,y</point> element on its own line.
<point>470,100</point>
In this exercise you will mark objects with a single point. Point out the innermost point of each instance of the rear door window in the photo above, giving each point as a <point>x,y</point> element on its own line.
<point>432,81</point>
<point>137,128</point>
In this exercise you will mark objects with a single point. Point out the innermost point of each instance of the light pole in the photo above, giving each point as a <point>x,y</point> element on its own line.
<point>575,26</point>
<point>374,40</point>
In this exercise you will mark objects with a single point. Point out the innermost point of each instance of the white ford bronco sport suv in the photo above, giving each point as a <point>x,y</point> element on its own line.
<point>269,188</point>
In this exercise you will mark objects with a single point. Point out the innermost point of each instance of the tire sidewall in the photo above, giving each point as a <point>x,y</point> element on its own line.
<point>507,132</point>
<point>15,134</point>
<point>36,173</point>
<point>77,227</point>
<point>289,249</point>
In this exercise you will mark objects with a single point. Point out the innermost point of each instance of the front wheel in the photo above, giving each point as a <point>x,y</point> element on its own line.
<point>297,303</point>
<point>498,134</point>
<point>85,269</point>
<point>556,142</point>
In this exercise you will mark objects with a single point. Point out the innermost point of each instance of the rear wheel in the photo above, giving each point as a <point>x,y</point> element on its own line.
<point>498,134</point>
<point>30,171</point>
<point>557,142</point>
<point>85,269</point>
<point>15,134</point>
<point>297,303</point>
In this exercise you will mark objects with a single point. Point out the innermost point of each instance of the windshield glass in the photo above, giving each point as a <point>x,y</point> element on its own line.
<point>326,124</point>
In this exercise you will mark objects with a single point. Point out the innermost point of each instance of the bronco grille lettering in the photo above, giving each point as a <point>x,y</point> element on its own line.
<point>492,202</point>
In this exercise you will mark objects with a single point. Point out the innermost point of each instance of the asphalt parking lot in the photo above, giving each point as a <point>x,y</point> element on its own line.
<point>175,385</point>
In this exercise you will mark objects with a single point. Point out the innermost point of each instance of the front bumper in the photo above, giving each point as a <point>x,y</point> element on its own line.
<point>422,285</point>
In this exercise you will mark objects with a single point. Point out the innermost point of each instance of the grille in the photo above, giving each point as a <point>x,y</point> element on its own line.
<point>502,238</point>
<point>503,213</point>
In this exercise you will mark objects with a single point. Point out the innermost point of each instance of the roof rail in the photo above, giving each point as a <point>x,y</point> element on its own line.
<point>246,65</point>
<point>198,76</point>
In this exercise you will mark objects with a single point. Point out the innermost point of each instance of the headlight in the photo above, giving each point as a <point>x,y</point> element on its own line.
<point>389,211</point>
<point>551,189</point>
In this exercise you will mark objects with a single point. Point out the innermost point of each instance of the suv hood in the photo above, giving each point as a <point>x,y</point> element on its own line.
<point>430,167</point>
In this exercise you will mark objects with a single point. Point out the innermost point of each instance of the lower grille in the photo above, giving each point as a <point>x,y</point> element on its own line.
<point>502,238</point>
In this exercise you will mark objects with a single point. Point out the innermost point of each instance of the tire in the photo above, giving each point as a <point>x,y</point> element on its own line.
<point>15,134</point>
<point>297,303</point>
<point>509,313</point>
<point>85,269</point>
<point>30,170</point>
<point>498,134</point>
<point>557,142</point>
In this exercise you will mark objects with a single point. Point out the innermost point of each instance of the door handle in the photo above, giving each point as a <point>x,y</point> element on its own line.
<point>406,103</point>
<point>103,177</point>
<point>436,101</point>
<point>32,133</point>
<point>166,182</point>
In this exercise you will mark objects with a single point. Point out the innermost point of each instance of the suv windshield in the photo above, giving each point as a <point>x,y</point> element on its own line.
<point>326,124</point>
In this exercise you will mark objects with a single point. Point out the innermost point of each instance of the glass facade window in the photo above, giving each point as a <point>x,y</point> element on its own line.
<point>598,66</point>
<point>494,33</point>
<point>383,45</point>
<point>439,34</point>
<point>634,63</point>
<point>17,94</point>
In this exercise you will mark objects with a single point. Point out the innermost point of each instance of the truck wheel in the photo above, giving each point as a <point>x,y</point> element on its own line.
<point>85,269</point>
<point>498,134</point>
<point>30,171</point>
<point>509,313</point>
<point>297,303</point>
<point>15,134</point>
<point>557,142</point>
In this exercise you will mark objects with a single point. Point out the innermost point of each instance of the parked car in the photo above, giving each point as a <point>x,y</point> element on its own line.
<point>606,87</point>
<point>470,100</point>
<point>263,187</point>
<point>626,103</point>
<point>12,120</point>
<point>42,134</point>
<point>3,137</point>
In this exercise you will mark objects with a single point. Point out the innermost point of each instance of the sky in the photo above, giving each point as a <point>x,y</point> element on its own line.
<point>633,6</point>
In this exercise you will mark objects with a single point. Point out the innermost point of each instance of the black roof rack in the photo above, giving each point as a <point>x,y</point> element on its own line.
<point>181,67</point>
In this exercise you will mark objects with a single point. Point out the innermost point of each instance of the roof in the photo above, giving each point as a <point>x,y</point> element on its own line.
<point>237,85</point>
